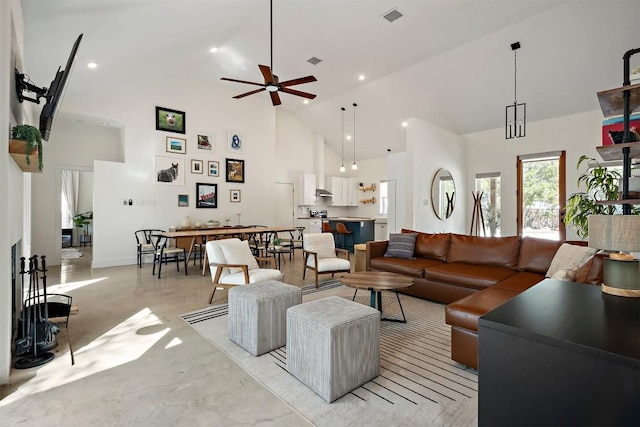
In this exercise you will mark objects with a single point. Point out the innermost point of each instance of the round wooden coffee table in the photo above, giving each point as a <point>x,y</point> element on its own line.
<point>376,282</point>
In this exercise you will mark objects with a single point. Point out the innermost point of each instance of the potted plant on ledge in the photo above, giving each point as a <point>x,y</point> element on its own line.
<point>26,141</point>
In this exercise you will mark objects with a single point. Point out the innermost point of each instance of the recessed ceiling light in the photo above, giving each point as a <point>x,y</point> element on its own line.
<point>405,124</point>
<point>361,77</point>
<point>104,124</point>
<point>92,65</point>
<point>213,49</point>
<point>306,101</point>
<point>348,137</point>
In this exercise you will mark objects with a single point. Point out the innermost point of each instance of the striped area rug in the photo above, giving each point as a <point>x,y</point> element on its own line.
<point>418,382</point>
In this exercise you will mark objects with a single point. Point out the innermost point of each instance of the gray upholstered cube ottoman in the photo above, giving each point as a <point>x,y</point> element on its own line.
<point>257,314</point>
<point>333,345</point>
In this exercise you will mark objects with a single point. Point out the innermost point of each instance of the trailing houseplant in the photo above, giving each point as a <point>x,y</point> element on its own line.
<point>601,184</point>
<point>32,138</point>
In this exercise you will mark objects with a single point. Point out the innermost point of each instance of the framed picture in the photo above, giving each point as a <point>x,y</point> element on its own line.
<point>235,170</point>
<point>235,142</point>
<point>176,145</point>
<point>234,196</point>
<point>206,141</point>
<point>206,195</point>
<point>213,168</point>
<point>170,120</point>
<point>169,170</point>
<point>183,200</point>
<point>196,166</point>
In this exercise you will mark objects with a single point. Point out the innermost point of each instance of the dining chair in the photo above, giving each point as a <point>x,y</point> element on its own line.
<point>146,242</point>
<point>295,241</point>
<point>165,252</point>
<point>232,263</point>
<point>321,256</point>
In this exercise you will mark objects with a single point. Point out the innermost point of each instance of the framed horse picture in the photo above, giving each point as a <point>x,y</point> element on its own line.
<point>169,170</point>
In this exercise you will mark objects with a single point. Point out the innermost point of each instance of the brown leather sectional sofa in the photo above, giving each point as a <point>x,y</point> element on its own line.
<point>473,275</point>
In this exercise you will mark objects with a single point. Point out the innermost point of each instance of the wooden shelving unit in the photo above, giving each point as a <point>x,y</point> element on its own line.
<point>611,100</point>
<point>612,105</point>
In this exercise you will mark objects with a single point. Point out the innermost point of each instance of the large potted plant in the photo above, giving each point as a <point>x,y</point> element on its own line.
<point>25,140</point>
<point>82,221</point>
<point>601,184</point>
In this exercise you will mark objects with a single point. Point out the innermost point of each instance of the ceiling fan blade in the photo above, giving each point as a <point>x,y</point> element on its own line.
<point>241,81</point>
<point>297,93</point>
<point>242,95</point>
<point>269,79</point>
<point>299,81</point>
<point>275,98</point>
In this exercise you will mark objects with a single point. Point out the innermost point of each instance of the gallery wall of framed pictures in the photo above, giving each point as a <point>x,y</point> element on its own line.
<point>204,160</point>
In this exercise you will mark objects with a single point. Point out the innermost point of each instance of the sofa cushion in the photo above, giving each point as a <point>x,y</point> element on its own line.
<point>489,251</point>
<point>432,246</point>
<point>567,255</point>
<point>408,267</point>
<point>465,312</point>
<point>536,254</point>
<point>519,282</point>
<point>401,245</point>
<point>468,275</point>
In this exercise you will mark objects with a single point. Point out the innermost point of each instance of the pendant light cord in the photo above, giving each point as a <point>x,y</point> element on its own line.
<point>515,77</point>
<point>342,108</point>
<point>354,132</point>
<point>271,30</point>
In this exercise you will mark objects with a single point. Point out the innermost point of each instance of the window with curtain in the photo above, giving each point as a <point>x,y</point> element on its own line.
<point>69,197</point>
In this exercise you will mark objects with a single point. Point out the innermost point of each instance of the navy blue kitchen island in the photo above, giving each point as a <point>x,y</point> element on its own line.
<point>362,231</point>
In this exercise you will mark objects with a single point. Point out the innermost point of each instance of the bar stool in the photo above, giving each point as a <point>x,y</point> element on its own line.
<point>342,232</point>
<point>326,228</point>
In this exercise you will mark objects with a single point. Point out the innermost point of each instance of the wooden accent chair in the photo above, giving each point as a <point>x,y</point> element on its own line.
<point>321,255</point>
<point>232,263</point>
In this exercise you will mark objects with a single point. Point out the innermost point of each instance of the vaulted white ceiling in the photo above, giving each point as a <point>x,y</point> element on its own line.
<point>448,62</point>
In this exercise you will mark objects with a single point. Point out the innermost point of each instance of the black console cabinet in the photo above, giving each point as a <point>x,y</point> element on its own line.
<point>560,353</point>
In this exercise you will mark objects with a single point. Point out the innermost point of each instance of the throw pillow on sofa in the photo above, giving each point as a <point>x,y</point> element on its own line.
<point>567,274</point>
<point>568,255</point>
<point>401,245</point>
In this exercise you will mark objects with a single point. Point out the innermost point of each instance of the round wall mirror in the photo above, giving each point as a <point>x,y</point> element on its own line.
<point>443,194</point>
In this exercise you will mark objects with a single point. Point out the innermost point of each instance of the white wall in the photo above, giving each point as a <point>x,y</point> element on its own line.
<point>14,184</point>
<point>73,145</point>
<point>429,148</point>
<point>488,151</point>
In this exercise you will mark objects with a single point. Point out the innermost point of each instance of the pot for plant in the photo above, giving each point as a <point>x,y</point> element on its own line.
<point>18,150</point>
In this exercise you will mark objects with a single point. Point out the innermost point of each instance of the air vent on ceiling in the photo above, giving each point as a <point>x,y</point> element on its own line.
<point>392,15</point>
<point>314,61</point>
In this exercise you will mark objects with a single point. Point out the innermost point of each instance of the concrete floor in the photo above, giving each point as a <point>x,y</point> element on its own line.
<point>137,362</point>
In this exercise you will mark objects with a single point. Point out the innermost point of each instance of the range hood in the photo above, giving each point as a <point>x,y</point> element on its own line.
<point>319,166</point>
<point>323,193</point>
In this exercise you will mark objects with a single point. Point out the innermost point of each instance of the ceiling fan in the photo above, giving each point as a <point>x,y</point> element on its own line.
<point>271,83</point>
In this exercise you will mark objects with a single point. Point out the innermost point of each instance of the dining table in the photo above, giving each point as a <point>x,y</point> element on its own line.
<point>205,234</point>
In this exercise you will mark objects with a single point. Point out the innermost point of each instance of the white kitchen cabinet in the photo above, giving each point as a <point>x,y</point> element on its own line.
<point>306,189</point>
<point>345,190</point>
<point>381,230</point>
<point>352,191</point>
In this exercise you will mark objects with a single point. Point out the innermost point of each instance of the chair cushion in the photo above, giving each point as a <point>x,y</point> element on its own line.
<point>401,245</point>
<point>237,252</point>
<point>256,275</point>
<point>330,264</point>
<point>320,243</point>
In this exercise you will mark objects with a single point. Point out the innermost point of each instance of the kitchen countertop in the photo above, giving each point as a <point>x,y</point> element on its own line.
<point>350,219</point>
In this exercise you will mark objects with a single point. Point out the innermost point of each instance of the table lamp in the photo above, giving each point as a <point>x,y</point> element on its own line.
<point>621,272</point>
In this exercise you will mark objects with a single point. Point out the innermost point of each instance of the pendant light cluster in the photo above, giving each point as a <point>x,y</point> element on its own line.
<point>354,165</point>
<point>515,125</point>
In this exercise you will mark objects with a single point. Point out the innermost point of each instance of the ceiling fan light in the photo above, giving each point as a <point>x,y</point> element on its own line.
<point>271,88</point>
